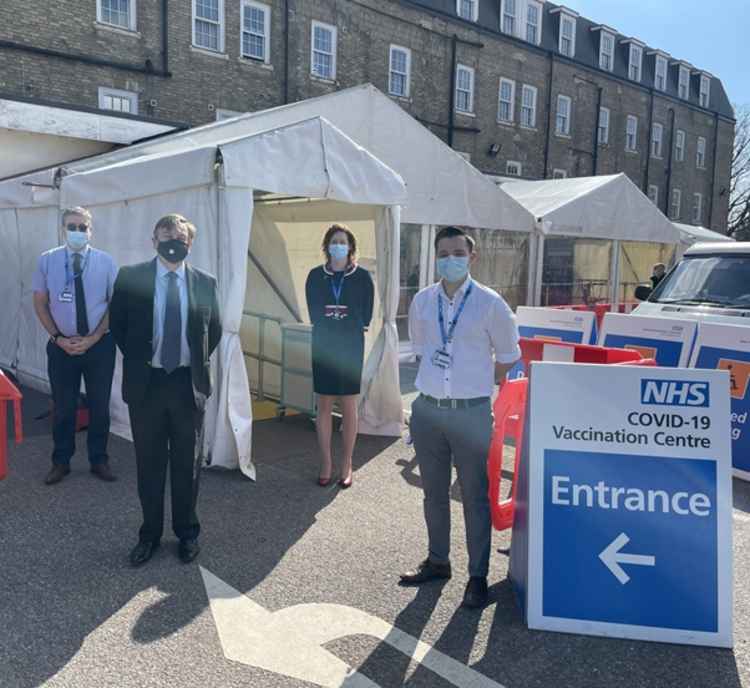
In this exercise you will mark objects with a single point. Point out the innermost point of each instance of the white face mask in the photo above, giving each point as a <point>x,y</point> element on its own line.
<point>76,240</point>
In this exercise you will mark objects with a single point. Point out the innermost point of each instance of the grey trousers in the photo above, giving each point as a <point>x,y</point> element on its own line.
<point>460,436</point>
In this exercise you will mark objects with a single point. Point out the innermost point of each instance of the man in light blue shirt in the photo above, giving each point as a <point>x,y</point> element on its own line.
<point>72,286</point>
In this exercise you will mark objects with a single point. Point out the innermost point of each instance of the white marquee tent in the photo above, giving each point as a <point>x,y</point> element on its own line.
<point>691,234</point>
<point>219,184</point>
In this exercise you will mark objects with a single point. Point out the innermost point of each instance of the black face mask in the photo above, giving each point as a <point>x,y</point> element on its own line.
<point>173,251</point>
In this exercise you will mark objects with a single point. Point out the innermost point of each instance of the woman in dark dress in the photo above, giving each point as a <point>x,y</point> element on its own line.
<point>340,301</point>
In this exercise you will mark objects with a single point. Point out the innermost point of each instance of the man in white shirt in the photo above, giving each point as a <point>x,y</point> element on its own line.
<point>466,338</point>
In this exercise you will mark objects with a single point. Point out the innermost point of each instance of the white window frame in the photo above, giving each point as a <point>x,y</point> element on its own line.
<point>505,13</point>
<point>683,82</point>
<point>700,153</point>
<point>635,62</point>
<point>653,194</point>
<point>680,138</point>
<point>663,72</point>
<point>130,96</point>
<point>220,24</point>
<point>266,30</point>
<point>526,88</point>
<point>474,10</point>
<point>565,130</point>
<point>511,102</point>
<point>603,53</point>
<point>704,95</point>
<point>567,18</point>
<point>675,203</point>
<point>697,208</point>
<point>509,171</point>
<point>470,71</point>
<point>602,136</point>
<point>631,119</point>
<point>334,49</point>
<point>391,71</point>
<point>657,140</point>
<point>558,173</point>
<point>132,19</point>
<point>222,114</point>
<point>527,24</point>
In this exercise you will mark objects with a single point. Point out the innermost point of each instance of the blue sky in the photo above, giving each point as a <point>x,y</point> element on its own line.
<point>714,36</point>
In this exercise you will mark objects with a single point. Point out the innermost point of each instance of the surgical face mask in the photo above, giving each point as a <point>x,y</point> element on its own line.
<point>338,251</point>
<point>76,240</point>
<point>173,250</point>
<point>453,268</point>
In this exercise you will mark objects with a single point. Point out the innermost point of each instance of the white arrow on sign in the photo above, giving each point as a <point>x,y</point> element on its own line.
<point>612,558</point>
<point>290,641</point>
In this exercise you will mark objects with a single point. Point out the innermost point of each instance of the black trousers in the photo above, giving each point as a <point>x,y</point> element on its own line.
<point>165,427</point>
<point>96,366</point>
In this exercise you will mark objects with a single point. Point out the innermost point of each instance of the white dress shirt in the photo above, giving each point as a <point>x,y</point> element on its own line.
<point>160,309</point>
<point>486,333</point>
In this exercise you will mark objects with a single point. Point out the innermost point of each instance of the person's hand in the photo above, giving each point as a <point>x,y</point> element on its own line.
<point>69,345</point>
<point>82,344</point>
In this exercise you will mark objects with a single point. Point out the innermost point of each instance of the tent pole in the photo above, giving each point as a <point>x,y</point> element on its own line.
<point>614,275</point>
<point>531,275</point>
<point>538,273</point>
<point>431,255</point>
<point>274,286</point>
<point>424,256</point>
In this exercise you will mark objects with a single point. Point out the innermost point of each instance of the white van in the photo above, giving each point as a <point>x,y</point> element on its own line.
<point>711,284</point>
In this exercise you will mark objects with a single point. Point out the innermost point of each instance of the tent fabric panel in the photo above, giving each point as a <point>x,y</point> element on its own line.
<point>690,234</point>
<point>32,190</point>
<point>10,287</point>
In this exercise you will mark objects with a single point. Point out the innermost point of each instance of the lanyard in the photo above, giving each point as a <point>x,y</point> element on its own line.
<point>337,290</point>
<point>68,278</point>
<point>448,337</point>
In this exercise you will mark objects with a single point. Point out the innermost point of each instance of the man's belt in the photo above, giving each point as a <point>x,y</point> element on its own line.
<point>455,403</point>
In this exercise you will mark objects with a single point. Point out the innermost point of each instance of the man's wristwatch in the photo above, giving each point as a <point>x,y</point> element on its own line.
<point>54,337</point>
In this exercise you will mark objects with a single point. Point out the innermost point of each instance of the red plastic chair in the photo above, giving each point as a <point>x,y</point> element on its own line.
<point>8,392</point>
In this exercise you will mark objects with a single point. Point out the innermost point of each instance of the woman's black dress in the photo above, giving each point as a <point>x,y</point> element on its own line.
<point>338,339</point>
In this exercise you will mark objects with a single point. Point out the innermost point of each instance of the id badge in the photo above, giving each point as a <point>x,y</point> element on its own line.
<point>66,297</point>
<point>441,359</point>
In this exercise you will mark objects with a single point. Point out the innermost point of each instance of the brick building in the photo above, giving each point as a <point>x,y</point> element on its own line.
<point>522,87</point>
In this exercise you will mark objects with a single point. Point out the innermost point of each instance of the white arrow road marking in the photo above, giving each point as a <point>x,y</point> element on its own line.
<point>289,641</point>
<point>612,558</point>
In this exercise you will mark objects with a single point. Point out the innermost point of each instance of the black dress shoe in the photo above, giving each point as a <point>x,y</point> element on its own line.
<point>56,474</point>
<point>426,571</point>
<point>143,551</point>
<point>188,550</point>
<point>103,472</point>
<point>475,596</point>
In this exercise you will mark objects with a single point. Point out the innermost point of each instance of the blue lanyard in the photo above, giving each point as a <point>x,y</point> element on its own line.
<point>447,337</point>
<point>337,290</point>
<point>68,278</point>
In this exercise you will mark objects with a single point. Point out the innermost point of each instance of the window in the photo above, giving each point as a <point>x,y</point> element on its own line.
<point>464,89</point>
<point>119,101</point>
<point>528,106</point>
<point>603,126</point>
<point>119,13</point>
<point>631,134</point>
<point>700,153</point>
<point>323,51</point>
<point>635,61</point>
<point>705,91</point>
<point>256,31</point>
<point>567,36</point>
<point>533,15</point>
<point>509,17</point>
<point>513,168</point>
<point>208,24</point>
<point>657,136</point>
<point>683,85</point>
<point>467,9</point>
<point>674,209</point>
<point>399,74</point>
<point>679,145</point>
<point>559,174</point>
<point>562,122</point>
<point>653,194</point>
<point>606,51</point>
<point>697,208</point>
<point>660,73</point>
<point>506,98</point>
<point>222,114</point>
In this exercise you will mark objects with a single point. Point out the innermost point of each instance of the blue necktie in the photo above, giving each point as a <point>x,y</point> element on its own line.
<point>172,334</point>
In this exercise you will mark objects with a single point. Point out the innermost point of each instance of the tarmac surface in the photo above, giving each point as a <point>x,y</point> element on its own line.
<point>74,613</point>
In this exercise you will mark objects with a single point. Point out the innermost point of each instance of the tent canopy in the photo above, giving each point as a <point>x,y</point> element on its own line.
<point>442,187</point>
<point>604,207</point>
<point>690,234</point>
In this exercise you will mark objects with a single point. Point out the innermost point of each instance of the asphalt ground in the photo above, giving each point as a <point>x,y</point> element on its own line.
<point>73,612</point>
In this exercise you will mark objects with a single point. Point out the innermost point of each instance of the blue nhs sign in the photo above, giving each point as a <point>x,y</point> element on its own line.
<point>675,393</point>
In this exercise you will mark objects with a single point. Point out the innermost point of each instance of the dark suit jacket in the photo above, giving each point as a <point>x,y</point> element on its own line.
<point>131,321</point>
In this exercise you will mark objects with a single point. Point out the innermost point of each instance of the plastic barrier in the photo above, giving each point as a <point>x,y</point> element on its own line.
<point>600,309</point>
<point>539,350</point>
<point>8,392</point>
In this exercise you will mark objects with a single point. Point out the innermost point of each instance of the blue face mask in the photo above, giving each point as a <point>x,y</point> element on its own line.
<point>76,240</point>
<point>338,251</point>
<point>453,268</point>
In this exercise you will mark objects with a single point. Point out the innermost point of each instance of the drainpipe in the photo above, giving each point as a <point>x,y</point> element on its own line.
<point>647,171</point>
<point>286,51</point>
<point>452,113</point>
<point>669,161</point>
<point>165,36</point>
<point>549,114</point>
<point>713,173</point>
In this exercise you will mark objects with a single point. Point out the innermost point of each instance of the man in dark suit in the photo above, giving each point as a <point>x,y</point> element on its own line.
<point>164,316</point>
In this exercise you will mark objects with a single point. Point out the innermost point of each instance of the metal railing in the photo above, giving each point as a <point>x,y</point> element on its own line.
<point>260,356</point>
